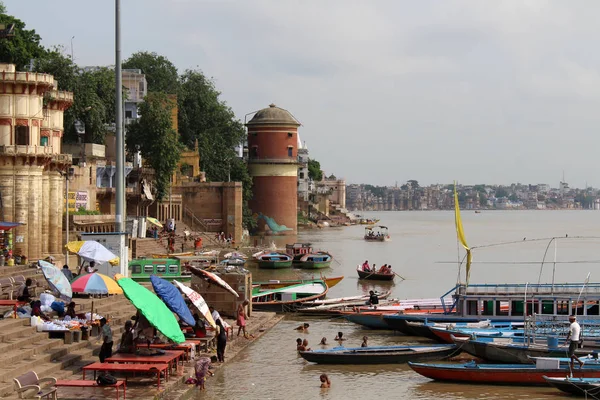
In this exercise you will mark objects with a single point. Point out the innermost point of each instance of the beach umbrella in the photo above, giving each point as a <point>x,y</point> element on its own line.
<point>169,294</point>
<point>95,284</point>
<point>154,221</point>
<point>57,280</point>
<point>198,301</point>
<point>155,311</point>
<point>213,278</point>
<point>90,250</point>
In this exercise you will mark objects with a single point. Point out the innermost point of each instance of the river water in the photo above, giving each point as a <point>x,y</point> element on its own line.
<point>424,251</point>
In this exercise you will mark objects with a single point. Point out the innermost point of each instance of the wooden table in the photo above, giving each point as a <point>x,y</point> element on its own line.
<point>109,367</point>
<point>203,342</point>
<point>82,383</point>
<point>170,357</point>
<point>171,346</point>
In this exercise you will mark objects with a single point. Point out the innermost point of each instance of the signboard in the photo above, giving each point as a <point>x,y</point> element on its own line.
<point>212,221</point>
<point>77,200</point>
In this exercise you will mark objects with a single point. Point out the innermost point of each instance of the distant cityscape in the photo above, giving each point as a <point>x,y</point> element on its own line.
<point>412,196</point>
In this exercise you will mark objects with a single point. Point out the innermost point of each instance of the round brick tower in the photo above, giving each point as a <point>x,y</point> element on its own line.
<point>273,165</point>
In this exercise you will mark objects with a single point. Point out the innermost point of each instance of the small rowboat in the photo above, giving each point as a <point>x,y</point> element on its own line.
<point>374,276</point>
<point>380,354</point>
<point>289,298</point>
<point>314,260</point>
<point>501,374</point>
<point>274,261</point>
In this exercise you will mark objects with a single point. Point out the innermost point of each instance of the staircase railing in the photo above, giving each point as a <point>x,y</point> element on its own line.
<point>194,221</point>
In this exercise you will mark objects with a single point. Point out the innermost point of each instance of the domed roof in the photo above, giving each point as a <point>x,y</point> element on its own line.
<point>273,115</point>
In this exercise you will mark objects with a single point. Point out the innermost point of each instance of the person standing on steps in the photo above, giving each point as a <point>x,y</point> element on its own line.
<point>241,318</point>
<point>107,340</point>
<point>221,341</point>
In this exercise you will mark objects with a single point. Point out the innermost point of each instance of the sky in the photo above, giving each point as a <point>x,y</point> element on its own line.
<point>386,91</point>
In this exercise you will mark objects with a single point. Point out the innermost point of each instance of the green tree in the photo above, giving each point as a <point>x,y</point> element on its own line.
<point>501,192</point>
<point>154,136</point>
<point>413,183</point>
<point>161,74</point>
<point>314,170</point>
<point>513,197</point>
<point>21,48</point>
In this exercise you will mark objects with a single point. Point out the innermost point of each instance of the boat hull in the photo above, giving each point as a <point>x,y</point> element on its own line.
<point>510,354</point>
<point>331,282</point>
<point>274,264</point>
<point>578,387</point>
<point>377,356</point>
<point>312,264</point>
<point>498,374</point>
<point>369,320</point>
<point>375,277</point>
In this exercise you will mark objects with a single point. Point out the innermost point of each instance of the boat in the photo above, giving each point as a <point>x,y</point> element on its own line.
<point>170,269</point>
<point>377,234</point>
<point>238,262</point>
<point>297,250</point>
<point>274,260</point>
<point>235,254</point>
<point>502,374</point>
<point>316,260</point>
<point>371,320</point>
<point>374,276</point>
<point>503,350</point>
<point>288,298</point>
<point>379,354</point>
<point>173,255</point>
<point>367,221</point>
<point>277,284</point>
<point>579,386</point>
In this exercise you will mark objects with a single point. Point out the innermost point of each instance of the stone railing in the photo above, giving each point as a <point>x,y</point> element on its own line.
<point>27,77</point>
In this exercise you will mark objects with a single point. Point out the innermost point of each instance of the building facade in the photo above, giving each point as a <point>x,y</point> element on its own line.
<point>32,166</point>
<point>273,165</point>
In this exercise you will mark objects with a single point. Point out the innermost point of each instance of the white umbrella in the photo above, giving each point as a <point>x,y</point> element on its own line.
<point>198,301</point>
<point>91,250</point>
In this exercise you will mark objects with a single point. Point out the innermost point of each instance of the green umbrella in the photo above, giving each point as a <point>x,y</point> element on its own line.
<point>155,311</point>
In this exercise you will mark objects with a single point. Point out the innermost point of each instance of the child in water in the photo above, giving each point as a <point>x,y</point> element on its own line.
<point>303,327</point>
<point>325,383</point>
<point>340,337</point>
<point>364,343</point>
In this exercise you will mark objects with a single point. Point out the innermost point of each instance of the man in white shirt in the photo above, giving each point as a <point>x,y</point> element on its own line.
<point>574,335</point>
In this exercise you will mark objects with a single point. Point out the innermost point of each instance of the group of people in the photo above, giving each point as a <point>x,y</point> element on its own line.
<point>384,269</point>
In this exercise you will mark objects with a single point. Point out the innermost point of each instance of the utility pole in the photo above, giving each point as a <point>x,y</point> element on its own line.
<point>120,144</point>
<point>67,214</point>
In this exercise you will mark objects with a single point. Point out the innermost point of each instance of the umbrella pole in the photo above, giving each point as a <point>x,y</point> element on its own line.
<point>92,313</point>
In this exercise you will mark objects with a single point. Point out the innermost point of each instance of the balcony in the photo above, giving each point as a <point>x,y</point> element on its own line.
<point>14,150</point>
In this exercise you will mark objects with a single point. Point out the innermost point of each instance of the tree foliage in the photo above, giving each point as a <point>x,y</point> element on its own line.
<point>314,170</point>
<point>161,74</point>
<point>23,47</point>
<point>154,136</point>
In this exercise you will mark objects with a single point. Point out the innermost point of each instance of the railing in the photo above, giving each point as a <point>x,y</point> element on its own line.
<point>193,220</point>
<point>533,289</point>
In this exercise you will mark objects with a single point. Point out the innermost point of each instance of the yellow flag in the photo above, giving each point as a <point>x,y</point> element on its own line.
<point>460,233</point>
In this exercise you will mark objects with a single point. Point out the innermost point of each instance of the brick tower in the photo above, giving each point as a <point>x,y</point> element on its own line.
<point>273,165</point>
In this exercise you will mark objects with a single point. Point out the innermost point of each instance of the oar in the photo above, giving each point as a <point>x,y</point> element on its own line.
<point>400,276</point>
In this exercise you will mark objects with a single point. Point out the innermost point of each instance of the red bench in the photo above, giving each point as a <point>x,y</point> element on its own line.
<point>148,368</point>
<point>82,383</point>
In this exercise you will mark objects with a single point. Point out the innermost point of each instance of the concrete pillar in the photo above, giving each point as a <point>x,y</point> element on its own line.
<point>35,213</point>
<point>60,210</point>
<point>7,188</point>
<point>45,213</point>
<point>53,217</point>
<point>22,192</point>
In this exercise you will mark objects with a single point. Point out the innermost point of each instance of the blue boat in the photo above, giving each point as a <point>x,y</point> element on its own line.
<point>588,387</point>
<point>369,320</point>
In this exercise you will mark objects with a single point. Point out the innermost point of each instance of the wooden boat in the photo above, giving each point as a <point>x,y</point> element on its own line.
<point>276,284</point>
<point>502,350</point>
<point>371,320</point>
<point>530,374</point>
<point>374,276</point>
<point>316,260</point>
<point>289,298</point>
<point>239,262</point>
<point>377,234</point>
<point>380,354</point>
<point>274,261</point>
<point>579,386</point>
<point>173,255</point>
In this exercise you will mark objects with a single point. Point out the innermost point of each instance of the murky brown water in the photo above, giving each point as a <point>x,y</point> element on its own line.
<point>271,369</point>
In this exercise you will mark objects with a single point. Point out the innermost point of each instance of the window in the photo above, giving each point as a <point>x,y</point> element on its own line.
<point>161,269</point>
<point>173,269</point>
<point>254,151</point>
<point>290,151</point>
<point>301,175</point>
<point>148,269</point>
<point>290,134</point>
<point>141,87</point>
<point>22,135</point>
<point>44,141</point>
<point>91,175</point>
<point>128,114</point>
<point>136,269</point>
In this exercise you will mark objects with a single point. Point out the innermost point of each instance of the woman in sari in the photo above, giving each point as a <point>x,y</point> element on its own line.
<point>201,369</point>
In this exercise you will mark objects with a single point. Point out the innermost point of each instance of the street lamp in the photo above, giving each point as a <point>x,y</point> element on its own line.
<point>72,58</point>
<point>80,130</point>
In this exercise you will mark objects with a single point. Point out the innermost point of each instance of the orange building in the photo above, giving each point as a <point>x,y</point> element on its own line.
<point>273,165</point>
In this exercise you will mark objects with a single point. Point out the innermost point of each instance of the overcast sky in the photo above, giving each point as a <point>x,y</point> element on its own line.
<point>474,91</point>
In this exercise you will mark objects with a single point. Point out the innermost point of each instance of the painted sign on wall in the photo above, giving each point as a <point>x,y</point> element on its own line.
<point>212,221</point>
<point>77,200</point>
